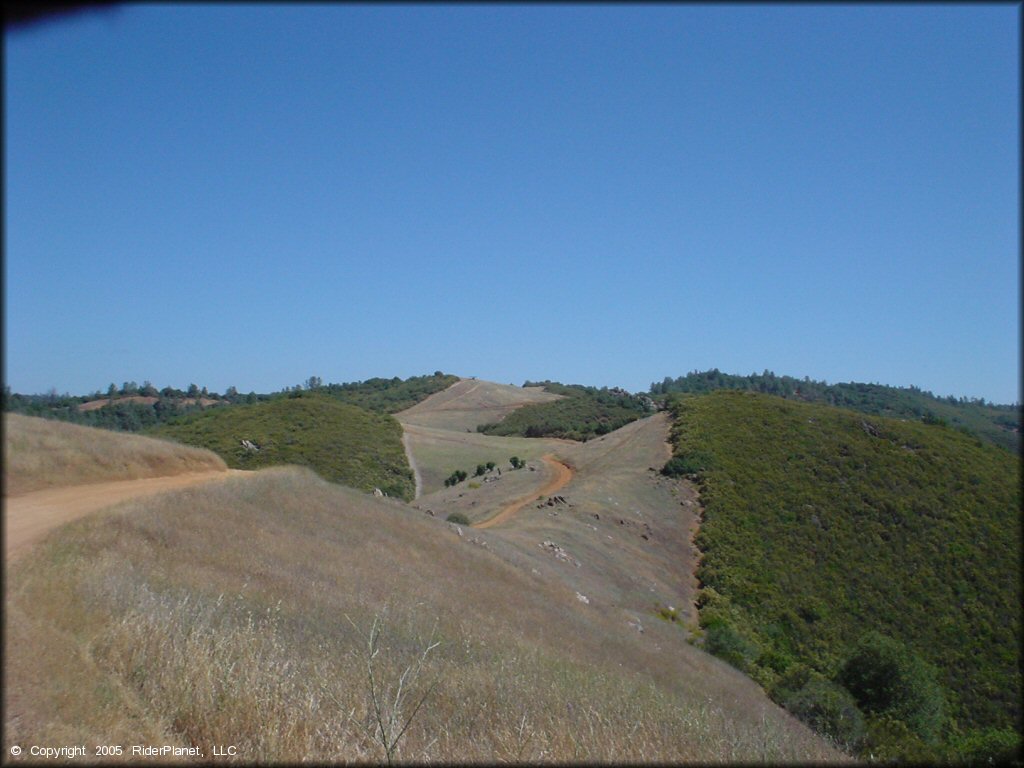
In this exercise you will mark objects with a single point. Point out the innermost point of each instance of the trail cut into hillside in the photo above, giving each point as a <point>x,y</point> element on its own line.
<point>30,516</point>
<point>562,477</point>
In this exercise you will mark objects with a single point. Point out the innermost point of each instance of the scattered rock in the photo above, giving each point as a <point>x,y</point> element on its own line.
<point>583,598</point>
<point>249,445</point>
<point>456,528</point>
<point>559,553</point>
<point>379,493</point>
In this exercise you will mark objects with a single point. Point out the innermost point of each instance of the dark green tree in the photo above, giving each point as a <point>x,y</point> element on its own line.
<point>888,679</point>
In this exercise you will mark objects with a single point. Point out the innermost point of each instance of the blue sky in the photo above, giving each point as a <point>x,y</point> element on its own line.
<point>245,196</point>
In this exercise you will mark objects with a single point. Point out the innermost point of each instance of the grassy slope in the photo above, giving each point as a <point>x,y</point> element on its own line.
<point>469,403</point>
<point>40,453</point>
<point>390,395</point>
<point>238,614</point>
<point>584,413</point>
<point>998,424</point>
<point>439,452</point>
<point>815,531</point>
<point>343,443</point>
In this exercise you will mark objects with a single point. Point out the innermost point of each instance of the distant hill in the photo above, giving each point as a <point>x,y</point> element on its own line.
<point>470,402</point>
<point>998,424</point>
<point>582,413</point>
<point>390,395</point>
<point>132,408</point>
<point>342,443</point>
<point>822,524</point>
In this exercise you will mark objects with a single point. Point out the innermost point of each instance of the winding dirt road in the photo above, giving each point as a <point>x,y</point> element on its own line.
<point>563,475</point>
<point>30,516</point>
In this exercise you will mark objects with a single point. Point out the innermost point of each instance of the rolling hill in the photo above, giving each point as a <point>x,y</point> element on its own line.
<point>40,453</point>
<point>997,424</point>
<point>581,413</point>
<point>342,443</point>
<point>280,613</point>
<point>469,403</point>
<point>861,572</point>
<point>822,525</point>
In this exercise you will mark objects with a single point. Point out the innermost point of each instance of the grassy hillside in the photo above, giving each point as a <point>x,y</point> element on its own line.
<point>998,424</point>
<point>390,395</point>
<point>469,403</point>
<point>821,524</point>
<point>254,614</point>
<point>342,443</point>
<point>135,409</point>
<point>583,413</point>
<point>40,453</point>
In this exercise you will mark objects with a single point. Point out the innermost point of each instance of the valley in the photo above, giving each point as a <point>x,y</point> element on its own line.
<point>539,596</point>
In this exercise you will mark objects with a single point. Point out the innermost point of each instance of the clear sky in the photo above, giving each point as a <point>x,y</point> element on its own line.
<point>608,195</point>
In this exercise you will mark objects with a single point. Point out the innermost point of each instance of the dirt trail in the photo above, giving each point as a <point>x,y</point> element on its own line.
<point>563,475</point>
<point>412,462</point>
<point>30,516</point>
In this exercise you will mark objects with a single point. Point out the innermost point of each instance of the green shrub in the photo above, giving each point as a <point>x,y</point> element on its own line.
<point>887,678</point>
<point>889,740</point>
<point>455,478</point>
<point>999,746</point>
<point>687,464</point>
<point>458,518</point>
<point>828,709</point>
<point>722,640</point>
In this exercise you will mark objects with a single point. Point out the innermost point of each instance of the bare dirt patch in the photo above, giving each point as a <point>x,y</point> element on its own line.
<point>94,405</point>
<point>562,476</point>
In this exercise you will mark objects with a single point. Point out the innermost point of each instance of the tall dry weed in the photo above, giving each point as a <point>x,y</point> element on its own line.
<point>41,453</point>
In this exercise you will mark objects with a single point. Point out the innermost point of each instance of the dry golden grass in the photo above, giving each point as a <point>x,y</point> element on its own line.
<point>240,614</point>
<point>469,403</point>
<point>41,453</point>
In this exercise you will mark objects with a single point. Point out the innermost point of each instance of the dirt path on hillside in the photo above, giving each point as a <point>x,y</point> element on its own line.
<point>412,463</point>
<point>30,516</point>
<point>563,475</point>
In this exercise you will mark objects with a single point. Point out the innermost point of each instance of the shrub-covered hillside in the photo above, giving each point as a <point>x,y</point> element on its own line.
<point>999,424</point>
<point>585,412</point>
<point>390,395</point>
<point>822,525</point>
<point>342,443</point>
